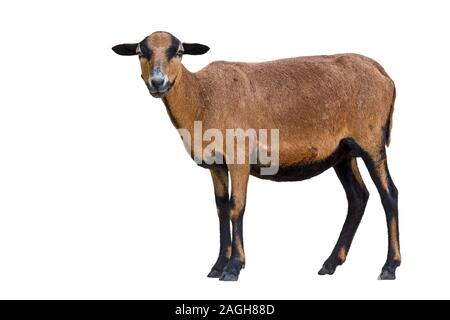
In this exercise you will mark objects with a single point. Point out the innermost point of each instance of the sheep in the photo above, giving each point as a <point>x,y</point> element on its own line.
<point>329,110</point>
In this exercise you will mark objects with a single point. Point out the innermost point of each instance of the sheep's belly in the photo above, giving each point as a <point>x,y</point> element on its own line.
<point>298,172</point>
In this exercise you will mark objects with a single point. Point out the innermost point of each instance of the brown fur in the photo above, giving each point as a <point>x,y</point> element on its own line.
<point>394,240</point>
<point>159,42</point>
<point>356,173</point>
<point>315,102</point>
<point>220,181</point>
<point>382,172</point>
<point>342,254</point>
<point>228,252</point>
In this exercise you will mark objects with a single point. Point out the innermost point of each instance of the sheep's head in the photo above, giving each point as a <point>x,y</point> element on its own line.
<point>160,56</point>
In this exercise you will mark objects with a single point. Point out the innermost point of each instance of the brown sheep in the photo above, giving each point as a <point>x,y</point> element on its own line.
<point>329,110</point>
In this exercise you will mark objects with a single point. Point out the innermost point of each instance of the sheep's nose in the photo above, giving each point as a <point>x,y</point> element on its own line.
<point>157,81</point>
<point>158,78</point>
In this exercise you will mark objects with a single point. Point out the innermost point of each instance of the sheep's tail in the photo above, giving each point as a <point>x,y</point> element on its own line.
<point>388,126</point>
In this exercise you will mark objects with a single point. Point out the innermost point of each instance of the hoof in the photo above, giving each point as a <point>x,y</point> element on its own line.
<point>214,274</point>
<point>387,275</point>
<point>218,268</point>
<point>325,271</point>
<point>329,267</point>
<point>229,277</point>
<point>231,270</point>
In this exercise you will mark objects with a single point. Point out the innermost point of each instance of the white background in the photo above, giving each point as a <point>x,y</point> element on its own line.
<point>98,198</point>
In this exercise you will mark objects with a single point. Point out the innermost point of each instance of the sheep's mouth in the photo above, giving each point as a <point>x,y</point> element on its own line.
<point>161,91</point>
<point>158,94</point>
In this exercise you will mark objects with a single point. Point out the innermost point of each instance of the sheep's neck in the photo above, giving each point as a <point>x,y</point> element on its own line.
<point>182,100</point>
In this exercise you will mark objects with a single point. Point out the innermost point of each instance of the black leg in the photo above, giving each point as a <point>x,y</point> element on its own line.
<point>237,260</point>
<point>220,180</point>
<point>379,172</point>
<point>357,196</point>
<point>239,180</point>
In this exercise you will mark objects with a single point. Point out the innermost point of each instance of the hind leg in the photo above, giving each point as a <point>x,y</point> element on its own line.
<point>376,163</point>
<point>357,196</point>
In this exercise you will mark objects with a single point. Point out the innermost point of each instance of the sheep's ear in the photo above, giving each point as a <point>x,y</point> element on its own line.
<point>126,49</point>
<point>195,48</point>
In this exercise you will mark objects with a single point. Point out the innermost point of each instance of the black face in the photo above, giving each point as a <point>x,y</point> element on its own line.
<point>160,58</point>
<point>162,77</point>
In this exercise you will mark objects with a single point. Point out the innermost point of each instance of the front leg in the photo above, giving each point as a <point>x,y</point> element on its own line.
<point>220,181</point>
<point>239,180</point>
